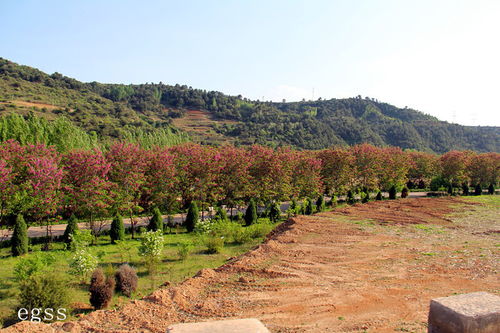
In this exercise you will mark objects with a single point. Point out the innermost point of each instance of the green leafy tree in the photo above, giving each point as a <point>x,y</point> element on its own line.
<point>251,213</point>
<point>71,228</point>
<point>192,217</point>
<point>19,238</point>
<point>117,231</point>
<point>156,221</point>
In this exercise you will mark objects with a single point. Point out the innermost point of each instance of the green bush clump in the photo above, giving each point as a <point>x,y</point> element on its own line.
<point>101,289</point>
<point>308,207</point>
<point>365,197</point>
<point>259,230</point>
<point>43,291</point>
<point>19,240</point>
<point>404,192</point>
<point>213,243</point>
<point>31,265</point>
<point>126,280</point>
<point>183,250</point>
<point>243,235</point>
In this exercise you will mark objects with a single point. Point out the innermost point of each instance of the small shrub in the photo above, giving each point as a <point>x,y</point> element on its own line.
<point>404,192</point>
<point>126,280</point>
<point>156,221</point>
<point>379,196</point>
<point>193,216</point>
<point>151,245</point>
<point>437,183</point>
<point>183,250</point>
<point>450,189</point>
<point>251,213</point>
<point>292,210</point>
<point>101,289</point>
<point>213,243</point>
<point>392,192</point>
<point>31,265</point>
<point>117,230</point>
<point>259,230</point>
<point>221,214</point>
<point>19,240</point>
<point>203,226</point>
<point>275,212</point>
<point>333,201</point>
<point>71,228</point>
<point>350,197</point>
<point>478,190</point>
<point>320,204</point>
<point>80,239</point>
<point>82,263</point>
<point>243,235</point>
<point>491,189</point>
<point>43,291</point>
<point>365,197</point>
<point>465,189</point>
<point>308,207</point>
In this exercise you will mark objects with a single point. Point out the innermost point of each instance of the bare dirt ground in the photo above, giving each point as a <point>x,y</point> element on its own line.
<point>332,272</point>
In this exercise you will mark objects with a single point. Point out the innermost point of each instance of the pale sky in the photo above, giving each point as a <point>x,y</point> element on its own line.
<point>441,57</point>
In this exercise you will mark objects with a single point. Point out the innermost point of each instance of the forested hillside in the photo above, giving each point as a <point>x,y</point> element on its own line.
<point>121,111</point>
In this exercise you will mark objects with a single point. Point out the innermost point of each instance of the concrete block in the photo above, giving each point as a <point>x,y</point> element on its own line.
<point>467,313</point>
<point>250,325</point>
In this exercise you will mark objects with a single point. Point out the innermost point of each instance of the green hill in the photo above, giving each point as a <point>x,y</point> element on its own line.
<point>115,111</point>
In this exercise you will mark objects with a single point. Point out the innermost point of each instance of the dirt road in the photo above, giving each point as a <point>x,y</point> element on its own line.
<point>333,272</point>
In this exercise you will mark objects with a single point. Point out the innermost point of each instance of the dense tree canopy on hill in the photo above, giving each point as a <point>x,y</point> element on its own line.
<point>113,110</point>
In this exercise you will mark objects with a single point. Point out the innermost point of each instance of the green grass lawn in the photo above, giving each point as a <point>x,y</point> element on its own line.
<point>171,268</point>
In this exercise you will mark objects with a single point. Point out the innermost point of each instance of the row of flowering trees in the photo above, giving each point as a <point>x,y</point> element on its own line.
<point>41,183</point>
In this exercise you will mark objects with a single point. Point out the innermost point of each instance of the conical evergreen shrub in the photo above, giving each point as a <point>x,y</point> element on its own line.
<point>251,213</point>
<point>117,231</point>
<point>193,215</point>
<point>320,204</point>
<point>450,189</point>
<point>350,197</point>
<point>465,189</point>
<point>275,212</point>
<point>70,230</point>
<point>156,221</point>
<point>404,192</point>
<point>392,192</point>
<point>478,190</point>
<point>19,240</point>
<point>491,189</point>
<point>379,196</point>
<point>308,207</point>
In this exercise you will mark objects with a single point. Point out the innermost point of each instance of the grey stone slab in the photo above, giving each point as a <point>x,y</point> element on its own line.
<point>250,325</point>
<point>467,313</point>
